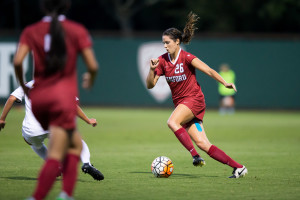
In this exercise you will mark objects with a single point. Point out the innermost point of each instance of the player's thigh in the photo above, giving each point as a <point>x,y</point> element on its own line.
<point>198,135</point>
<point>58,143</point>
<point>182,114</point>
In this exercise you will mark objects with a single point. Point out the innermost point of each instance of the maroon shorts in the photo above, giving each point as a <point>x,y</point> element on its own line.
<point>195,104</point>
<point>54,110</point>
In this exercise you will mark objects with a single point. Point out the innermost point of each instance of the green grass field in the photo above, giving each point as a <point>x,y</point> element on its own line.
<point>126,141</point>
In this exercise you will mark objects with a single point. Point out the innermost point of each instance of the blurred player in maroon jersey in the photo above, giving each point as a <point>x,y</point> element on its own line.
<point>186,121</point>
<point>56,42</point>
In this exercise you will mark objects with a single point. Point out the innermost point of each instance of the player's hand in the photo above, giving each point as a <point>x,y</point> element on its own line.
<point>2,124</point>
<point>93,122</point>
<point>154,63</point>
<point>86,80</point>
<point>230,86</point>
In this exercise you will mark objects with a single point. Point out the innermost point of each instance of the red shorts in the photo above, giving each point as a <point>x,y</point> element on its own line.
<point>195,104</point>
<point>54,109</point>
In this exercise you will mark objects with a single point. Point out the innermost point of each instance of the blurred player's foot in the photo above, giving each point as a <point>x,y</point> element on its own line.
<point>30,198</point>
<point>91,170</point>
<point>239,172</point>
<point>64,196</point>
<point>198,161</point>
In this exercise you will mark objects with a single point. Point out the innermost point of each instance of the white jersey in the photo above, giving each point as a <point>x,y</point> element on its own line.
<point>30,124</point>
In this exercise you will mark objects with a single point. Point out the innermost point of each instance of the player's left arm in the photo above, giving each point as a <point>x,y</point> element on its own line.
<point>198,64</point>
<point>21,53</point>
<point>85,118</point>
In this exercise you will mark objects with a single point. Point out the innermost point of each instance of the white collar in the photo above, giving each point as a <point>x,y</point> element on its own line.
<point>49,18</point>
<point>176,57</point>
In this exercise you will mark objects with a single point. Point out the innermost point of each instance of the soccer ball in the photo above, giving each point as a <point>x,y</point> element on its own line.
<point>162,166</point>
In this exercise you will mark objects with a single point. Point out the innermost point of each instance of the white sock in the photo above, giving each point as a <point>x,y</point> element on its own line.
<point>85,153</point>
<point>41,152</point>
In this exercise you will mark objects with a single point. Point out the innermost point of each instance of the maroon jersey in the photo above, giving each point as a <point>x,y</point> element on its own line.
<point>37,38</point>
<point>59,89</point>
<point>180,75</point>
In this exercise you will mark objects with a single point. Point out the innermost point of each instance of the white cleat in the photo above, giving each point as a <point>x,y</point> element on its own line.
<point>239,172</point>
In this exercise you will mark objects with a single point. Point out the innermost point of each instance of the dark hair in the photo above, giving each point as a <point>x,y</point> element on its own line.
<point>57,55</point>
<point>188,31</point>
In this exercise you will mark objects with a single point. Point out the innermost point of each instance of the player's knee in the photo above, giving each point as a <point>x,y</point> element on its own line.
<point>171,124</point>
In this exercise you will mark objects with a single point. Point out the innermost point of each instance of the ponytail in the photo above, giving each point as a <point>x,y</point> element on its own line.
<point>188,31</point>
<point>56,57</point>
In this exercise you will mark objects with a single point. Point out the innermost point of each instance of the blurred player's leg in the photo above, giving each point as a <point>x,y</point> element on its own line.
<point>70,164</point>
<point>36,143</point>
<point>87,167</point>
<point>85,153</point>
<point>56,152</point>
<point>40,151</point>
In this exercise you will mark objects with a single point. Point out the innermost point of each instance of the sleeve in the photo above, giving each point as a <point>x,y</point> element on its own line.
<point>189,58</point>
<point>19,94</point>
<point>159,71</point>
<point>84,38</point>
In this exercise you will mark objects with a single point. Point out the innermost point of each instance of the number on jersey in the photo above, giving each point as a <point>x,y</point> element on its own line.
<point>179,68</point>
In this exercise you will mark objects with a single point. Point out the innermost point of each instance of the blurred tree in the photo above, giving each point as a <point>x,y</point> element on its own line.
<point>247,16</point>
<point>234,16</point>
<point>123,11</point>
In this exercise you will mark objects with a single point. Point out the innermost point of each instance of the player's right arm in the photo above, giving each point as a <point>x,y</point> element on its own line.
<point>21,53</point>
<point>8,105</point>
<point>152,78</point>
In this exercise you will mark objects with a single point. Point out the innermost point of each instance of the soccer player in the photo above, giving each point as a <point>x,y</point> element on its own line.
<point>55,43</point>
<point>34,135</point>
<point>226,95</point>
<point>186,121</point>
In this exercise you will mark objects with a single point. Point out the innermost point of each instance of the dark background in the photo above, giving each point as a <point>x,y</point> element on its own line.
<point>129,17</point>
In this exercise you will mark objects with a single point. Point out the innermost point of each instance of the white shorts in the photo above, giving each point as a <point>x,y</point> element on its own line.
<point>36,141</point>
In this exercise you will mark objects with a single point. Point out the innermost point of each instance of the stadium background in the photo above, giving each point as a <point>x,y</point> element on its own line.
<point>259,40</point>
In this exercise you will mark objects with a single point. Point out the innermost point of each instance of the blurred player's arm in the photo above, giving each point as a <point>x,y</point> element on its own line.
<point>198,64</point>
<point>152,78</point>
<point>8,105</point>
<point>92,67</point>
<point>83,116</point>
<point>21,53</point>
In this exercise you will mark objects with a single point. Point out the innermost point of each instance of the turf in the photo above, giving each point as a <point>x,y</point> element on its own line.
<point>126,141</point>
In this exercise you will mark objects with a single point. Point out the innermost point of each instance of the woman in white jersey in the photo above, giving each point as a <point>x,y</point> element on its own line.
<point>34,134</point>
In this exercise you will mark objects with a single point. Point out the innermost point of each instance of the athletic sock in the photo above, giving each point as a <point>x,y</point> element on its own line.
<point>46,178</point>
<point>41,152</point>
<point>85,153</point>
<point>70,166</point>
<point>186,141</point>
<point>219,155</point>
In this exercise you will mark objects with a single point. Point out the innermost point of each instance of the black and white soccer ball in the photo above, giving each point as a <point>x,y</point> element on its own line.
<point>162,166</point>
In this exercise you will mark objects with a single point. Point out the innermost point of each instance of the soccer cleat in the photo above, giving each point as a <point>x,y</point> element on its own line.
<point>239,172</point>
<point>198,161</point>
<point>91,170</point>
